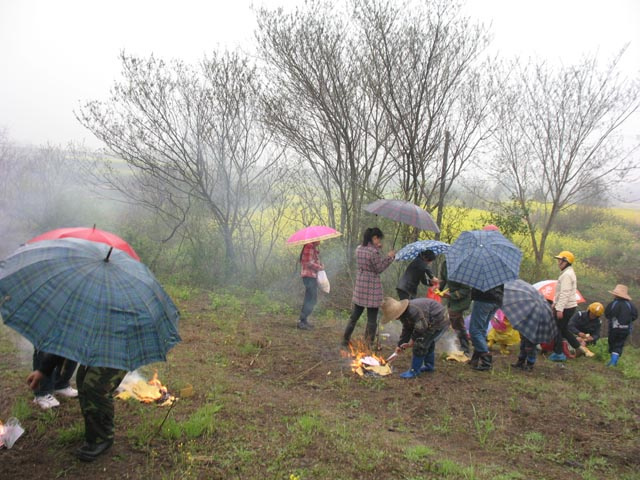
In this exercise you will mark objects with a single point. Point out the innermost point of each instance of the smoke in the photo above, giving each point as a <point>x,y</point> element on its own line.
<point>130,380</point>
<point>21,344</point>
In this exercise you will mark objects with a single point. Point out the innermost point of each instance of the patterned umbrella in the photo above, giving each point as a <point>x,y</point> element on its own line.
<point>483,259</point>
<point>528,311</point>
<point>312,234</point>
<point>412,250</point>
<point>87,302</point>
<point>548,289</point>
<point>404,212</point>
<point>94,234</point>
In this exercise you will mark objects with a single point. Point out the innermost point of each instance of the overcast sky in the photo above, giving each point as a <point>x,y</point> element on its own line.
<point>55,54</point>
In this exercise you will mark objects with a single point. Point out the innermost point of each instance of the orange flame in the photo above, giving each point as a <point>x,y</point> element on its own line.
<point>362,356</point>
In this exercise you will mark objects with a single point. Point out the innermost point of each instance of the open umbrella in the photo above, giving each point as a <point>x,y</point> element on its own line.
<point>87,302</point>
<point>528,311</point>
<point>312,234</point>
<point>548,289</point>
<point>404,212</point>
<point>483,259</point>
<point>412,250</point>
<point>93,234</point>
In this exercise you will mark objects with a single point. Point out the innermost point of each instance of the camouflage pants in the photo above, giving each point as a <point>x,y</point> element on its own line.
<point>95,392</point>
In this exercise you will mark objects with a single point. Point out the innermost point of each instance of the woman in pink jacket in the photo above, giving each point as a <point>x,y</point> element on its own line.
<point>367,292</point>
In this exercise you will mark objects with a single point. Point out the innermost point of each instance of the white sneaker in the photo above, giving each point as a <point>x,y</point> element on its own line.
<point>68,392</point>
<point>45,402</point>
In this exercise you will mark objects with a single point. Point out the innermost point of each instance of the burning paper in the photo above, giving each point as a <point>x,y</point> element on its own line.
<point>366,363</point>
<point>135,386</point>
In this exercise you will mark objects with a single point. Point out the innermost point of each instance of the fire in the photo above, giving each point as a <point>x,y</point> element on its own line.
<point>1,433</point>
<point>152,391</point>
<point>366,362</point>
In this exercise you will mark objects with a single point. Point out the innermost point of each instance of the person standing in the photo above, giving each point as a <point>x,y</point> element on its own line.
<point>423,323</point>
<point>58,383</point>
<point>564,306</point>
<point>310,266</point>
<point>458,301</point>
<point>367,291</point>
<point>417,272</point>
<point>96,386</point>
<point>620,313</point>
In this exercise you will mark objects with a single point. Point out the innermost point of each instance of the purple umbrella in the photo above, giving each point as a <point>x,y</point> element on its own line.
<point>404,212</point>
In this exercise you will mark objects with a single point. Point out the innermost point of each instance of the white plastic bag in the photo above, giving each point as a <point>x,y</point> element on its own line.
<point>323,281</point>
<point>11,432</point>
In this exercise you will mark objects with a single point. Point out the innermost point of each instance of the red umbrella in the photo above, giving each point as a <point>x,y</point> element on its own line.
<point>92,234</point>
<point>548,290</point>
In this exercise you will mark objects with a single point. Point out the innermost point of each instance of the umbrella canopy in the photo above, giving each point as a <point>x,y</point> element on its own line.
<point>548,289</point>
<point>93,234</point>
<point>412,250</point>
<point>404,212</point>
<point>87,302</point>
<point>483,259</point>
<point>312,234</point>
<point>528,311</point>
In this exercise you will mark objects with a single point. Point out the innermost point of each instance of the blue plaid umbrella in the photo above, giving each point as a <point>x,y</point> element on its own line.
<point>528,311</point>
<point>483,259</point>
<point>87,302</point>
<point>412,250</point>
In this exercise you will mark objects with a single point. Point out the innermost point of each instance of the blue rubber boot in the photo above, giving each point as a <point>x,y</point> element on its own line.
<point>429,363</point>
<point>414,371</point>
<point>558,357</point>
<point>614,360</point>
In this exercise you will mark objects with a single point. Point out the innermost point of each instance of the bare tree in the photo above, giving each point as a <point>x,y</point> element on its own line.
<point>423,66</point>
<point>557,143</point>
<point>188,136</point>
<point>317,105</point>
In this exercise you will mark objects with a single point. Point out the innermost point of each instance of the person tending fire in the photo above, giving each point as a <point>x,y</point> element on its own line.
<point>423,323</point>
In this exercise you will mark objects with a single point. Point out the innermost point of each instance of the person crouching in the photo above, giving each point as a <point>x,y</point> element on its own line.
<point>423,323</point>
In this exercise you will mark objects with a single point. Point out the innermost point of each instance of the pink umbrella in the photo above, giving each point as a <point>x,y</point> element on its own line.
<point>548,290</point>
<point>312,234</point>
<point>92,234</point>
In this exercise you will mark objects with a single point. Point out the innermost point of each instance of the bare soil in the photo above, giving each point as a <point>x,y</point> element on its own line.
<point>579,420</point>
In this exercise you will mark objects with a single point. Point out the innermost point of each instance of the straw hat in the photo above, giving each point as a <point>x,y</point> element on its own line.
<point>621,291</point>
<point>392,308</point>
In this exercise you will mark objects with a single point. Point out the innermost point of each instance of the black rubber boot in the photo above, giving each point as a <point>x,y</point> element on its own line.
<point>519,363</point>
<point>464,342</point>
<point>474,360</point>
<point>484,362</point>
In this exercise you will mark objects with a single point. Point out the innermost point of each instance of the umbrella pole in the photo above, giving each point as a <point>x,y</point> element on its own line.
<point>396,237</point>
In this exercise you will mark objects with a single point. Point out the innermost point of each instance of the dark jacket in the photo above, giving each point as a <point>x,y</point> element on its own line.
<point>417,272</point>
<point>582,322</point>
<point>493,295</point>
<point>422,315</point>
<point>459,294</point>
<point>620,314</point>
<point>48,363</point>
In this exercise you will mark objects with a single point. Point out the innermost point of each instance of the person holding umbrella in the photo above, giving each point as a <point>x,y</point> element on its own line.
<point>310,265</point>
<point>564,306</point>
<point>417,272</point>
<point>367,292</point>
<point>96,386</point>
<point>423,323</point>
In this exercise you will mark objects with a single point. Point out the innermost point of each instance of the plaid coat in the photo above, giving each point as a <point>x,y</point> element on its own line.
<point>310,261</point>
<point>367,291</point>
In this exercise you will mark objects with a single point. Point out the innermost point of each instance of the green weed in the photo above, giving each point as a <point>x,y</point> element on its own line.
<point>71,434</point>
<point>418,452</point>
<point>444,426</point>
<point>484,424</point>
<point>21,409</point>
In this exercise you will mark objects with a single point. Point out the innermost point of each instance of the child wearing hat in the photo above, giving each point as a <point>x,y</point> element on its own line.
<point>423,323</point>
<point>620,313</point>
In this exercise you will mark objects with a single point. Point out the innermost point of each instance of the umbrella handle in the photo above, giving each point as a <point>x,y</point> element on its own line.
<point>393,247</point>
